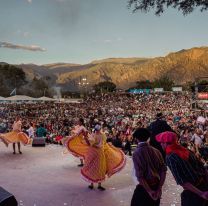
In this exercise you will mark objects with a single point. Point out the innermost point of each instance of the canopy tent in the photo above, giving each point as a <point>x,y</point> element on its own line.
<point>45,99</point>
<point>20,98</point>
<point>2,98</point>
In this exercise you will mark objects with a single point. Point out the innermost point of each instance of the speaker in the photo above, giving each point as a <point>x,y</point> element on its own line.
<point>38,142</point>
<point>6,198</point>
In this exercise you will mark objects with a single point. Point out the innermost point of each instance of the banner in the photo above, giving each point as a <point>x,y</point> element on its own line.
<point>177,89</point>
<point>203,95</point>
<point>158,90</point>
<point>139,91</point>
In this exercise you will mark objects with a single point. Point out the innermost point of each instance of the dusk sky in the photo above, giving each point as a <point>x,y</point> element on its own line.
<point>79,31</point>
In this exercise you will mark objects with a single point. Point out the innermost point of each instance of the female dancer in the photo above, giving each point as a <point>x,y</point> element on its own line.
<point>78,143</point>
<point>101,159</point>
<point>15,136</point>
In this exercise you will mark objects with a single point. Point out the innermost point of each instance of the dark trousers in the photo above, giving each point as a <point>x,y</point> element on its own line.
<point>142,198</point>
<point>189,198</point>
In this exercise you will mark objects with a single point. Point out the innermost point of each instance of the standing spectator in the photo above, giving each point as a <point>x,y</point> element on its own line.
<point>157,127</point>
<point>150,171</point>
<point>187,170</point>
<point>31,131</point>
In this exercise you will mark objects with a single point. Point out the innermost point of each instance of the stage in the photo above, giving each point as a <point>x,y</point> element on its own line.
<point>46,177</point>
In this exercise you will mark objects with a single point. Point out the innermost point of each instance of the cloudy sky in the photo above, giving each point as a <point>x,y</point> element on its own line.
<point>79,31</point>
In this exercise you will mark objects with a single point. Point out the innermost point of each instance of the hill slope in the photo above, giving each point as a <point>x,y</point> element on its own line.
<point>182,66</point>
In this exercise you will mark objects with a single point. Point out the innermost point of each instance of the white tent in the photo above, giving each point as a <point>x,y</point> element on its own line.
<point>20,98</point>
<point>46,99</point>
<point>2,98</point>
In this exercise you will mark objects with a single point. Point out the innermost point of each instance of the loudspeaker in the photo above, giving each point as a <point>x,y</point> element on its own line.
<point>6,198</point>
<point>38,142</point>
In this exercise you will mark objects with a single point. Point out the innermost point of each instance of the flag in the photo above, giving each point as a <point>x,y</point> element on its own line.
<point>13,92</point>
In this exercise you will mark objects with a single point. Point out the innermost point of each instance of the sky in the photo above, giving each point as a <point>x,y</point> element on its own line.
<point>80,31</point>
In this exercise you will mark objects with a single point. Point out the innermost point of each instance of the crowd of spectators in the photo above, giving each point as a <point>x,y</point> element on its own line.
<point>119,114</point>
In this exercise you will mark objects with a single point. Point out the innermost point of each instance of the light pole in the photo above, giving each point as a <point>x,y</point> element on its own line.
<point>83,83</point>
<point>44,92</point>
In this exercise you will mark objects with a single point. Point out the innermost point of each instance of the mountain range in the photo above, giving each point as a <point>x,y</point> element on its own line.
<point>182,67</point>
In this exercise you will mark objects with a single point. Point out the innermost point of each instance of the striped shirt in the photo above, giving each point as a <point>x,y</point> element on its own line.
<point>148,162</point>
<point>184,171</point>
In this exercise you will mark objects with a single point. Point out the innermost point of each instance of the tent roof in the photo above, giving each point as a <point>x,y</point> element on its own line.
<point>19,98</point>
<point>2,98</point>
<point>46,99</point>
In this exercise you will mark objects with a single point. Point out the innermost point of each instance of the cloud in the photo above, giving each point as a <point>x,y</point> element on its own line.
<point>118,39</point>
<point>108,41</point>
<point>24,34</point>
<point>15,46</point>
<point>29,1</point>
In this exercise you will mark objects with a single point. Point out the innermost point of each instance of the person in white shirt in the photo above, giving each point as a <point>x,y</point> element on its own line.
<point>31,131</point>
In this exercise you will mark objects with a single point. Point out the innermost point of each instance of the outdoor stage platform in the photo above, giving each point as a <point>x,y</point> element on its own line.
<point>46,177</point>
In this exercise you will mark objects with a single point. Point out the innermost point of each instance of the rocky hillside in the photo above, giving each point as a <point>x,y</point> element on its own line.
<point>182,66</point>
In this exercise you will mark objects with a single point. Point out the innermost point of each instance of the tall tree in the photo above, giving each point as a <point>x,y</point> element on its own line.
<point>164,82</point>
<point>106,86</point>
<point>144,84</point>
<point>186,6</point>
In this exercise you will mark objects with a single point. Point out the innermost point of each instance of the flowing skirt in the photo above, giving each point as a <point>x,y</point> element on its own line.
<point>115,159</point>
<point>98,162</point>
<point>14,136</point>
<point>102,162</point>
<point>94,170</point>
<point>77,146</point>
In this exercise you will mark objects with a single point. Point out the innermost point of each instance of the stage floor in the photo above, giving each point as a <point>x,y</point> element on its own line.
<point>46,177</point>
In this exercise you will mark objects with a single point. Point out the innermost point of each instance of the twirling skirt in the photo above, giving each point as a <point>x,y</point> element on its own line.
<point>77,146</point>
<point>14,136</point>
<point>95,167</point>
<point>102,162</point>
<point>98,162</point>
<point>115,159</point>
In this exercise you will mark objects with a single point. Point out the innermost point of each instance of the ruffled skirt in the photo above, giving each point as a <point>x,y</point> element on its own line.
<point>14,136</point>
<point>99,163</point>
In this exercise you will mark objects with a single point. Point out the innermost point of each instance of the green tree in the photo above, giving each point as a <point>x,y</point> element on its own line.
<point>186,6</point>
<point>11,77</point>
<point>40,88</point>
<point>105,86</point>
<point>164,82</point>
<point>144,84</point>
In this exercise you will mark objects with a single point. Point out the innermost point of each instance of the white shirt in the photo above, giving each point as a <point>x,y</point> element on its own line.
<point>31,132</point>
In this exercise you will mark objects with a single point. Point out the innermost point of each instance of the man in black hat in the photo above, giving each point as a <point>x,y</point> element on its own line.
<point>157,127</point>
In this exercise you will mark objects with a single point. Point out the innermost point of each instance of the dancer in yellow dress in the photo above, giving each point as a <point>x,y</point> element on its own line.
<point>77,144</point>
<point>15,136</point>
<point>101,159</point>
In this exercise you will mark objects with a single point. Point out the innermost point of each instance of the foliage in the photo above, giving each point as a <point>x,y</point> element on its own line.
<point>40,88</point>
<point>11,77</point>
<point>70,94</point>
<point>164,82</point>
<point>145,84</point>
<point>105,86</point>
<point>186,6</point>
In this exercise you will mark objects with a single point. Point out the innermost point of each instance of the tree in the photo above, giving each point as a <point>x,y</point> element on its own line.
<point>144,84</point>
<point>186,6</point>
<point>164,82</point>
<point>11,77</point>
<point>105,87</point>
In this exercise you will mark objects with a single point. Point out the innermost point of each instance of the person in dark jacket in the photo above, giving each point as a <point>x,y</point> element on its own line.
<point>157,127</point>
